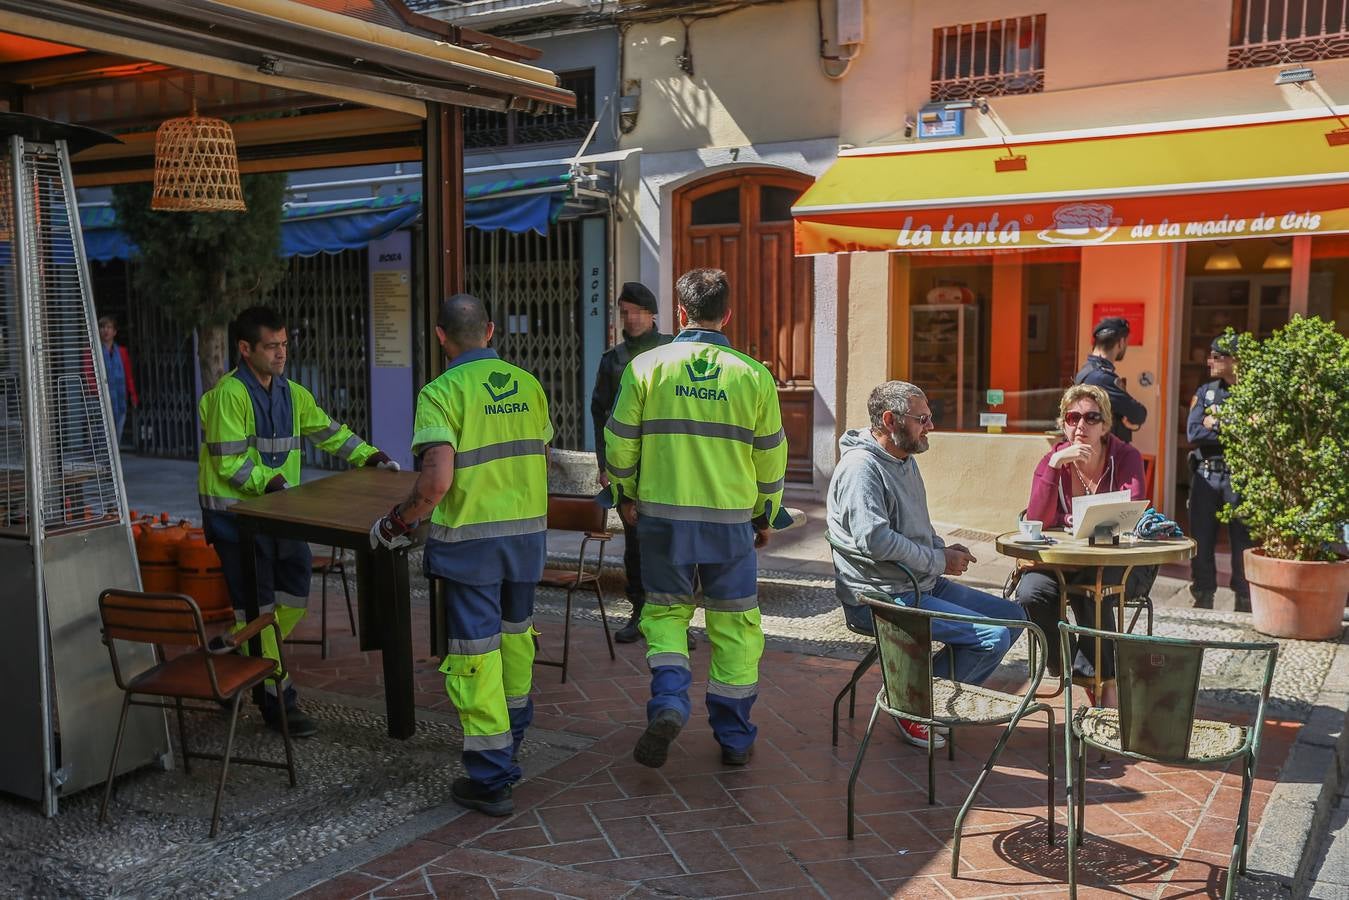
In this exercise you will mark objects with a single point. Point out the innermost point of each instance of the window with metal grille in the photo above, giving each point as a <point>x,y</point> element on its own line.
<point>989,59</point>
<point>1271,32</point>
<point>485,128</point>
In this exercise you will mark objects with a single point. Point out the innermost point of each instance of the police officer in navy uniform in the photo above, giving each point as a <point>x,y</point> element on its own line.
<point>1110,340</point>
<point>1211,482</point>
<point>637,311</point>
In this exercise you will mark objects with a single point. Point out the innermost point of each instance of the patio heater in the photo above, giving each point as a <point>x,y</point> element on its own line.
<point>64,530</point>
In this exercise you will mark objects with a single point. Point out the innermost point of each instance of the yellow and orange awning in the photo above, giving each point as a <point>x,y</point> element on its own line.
<point>1210,180</point>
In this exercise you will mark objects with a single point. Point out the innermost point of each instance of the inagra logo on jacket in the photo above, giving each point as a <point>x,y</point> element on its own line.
<point>497,389</point>
<point>701,370</point>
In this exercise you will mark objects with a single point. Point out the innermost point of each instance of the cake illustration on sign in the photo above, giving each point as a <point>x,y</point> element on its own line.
<point>1078,223</point>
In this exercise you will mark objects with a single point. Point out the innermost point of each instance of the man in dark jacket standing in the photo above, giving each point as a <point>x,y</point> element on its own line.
<point>1110,339</point>
<point>637,312</point>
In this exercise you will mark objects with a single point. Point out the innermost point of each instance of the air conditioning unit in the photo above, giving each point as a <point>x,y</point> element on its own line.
<point>487,13</point>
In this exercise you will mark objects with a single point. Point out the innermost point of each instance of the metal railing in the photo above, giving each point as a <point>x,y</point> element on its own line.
<point>485,128</point>
<point>1273,32</point>
<point>989,59</point>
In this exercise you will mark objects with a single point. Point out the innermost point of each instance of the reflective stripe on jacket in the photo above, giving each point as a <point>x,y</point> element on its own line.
<point>696,434</point>
<point>495,415</point>
<point>236,462</point>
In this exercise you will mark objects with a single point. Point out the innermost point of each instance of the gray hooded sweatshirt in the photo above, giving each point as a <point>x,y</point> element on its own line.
<point>878,506</point>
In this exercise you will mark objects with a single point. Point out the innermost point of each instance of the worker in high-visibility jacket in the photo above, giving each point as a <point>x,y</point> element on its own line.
<point>255,421</point>
<point>482,432</point>
<point>696,442</point>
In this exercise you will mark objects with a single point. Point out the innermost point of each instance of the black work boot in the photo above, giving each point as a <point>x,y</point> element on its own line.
<point>653,747</point>
<point>1202,599</point>
<point>731,757</point>
<point>471,795</point>
<point>1243,603</point>
<point>630,633</point>
<point>297,723</point>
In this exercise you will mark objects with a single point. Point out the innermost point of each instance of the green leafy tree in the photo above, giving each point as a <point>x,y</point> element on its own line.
<point>1285,436</point>
<point>203,268</point>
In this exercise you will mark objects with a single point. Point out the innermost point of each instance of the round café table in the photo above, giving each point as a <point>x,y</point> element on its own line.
<point>1068,554</point>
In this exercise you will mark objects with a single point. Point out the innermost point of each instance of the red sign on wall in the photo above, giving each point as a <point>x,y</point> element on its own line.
<point>1130,311</point>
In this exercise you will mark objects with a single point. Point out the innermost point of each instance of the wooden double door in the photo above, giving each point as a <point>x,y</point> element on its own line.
<point>741,222</point>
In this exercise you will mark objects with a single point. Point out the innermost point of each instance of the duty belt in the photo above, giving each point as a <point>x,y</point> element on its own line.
<point>1214,465</point>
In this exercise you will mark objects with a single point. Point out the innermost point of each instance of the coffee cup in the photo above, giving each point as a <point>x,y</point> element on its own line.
<point>1030,529</point>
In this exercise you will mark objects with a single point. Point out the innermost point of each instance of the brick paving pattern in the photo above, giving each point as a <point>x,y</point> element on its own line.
<point>598,825</point>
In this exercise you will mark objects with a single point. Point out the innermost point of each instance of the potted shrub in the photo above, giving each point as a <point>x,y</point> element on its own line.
<point>1285,435</point>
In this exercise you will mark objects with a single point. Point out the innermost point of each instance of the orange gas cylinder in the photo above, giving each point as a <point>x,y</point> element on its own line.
<point>157,550</point>
<point>201,577</point>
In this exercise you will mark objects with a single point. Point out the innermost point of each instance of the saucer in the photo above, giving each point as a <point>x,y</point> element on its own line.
<point>1035,542</point>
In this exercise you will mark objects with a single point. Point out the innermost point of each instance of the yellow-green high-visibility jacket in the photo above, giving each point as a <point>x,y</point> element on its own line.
<point>696,433</point>
<point>253,434</point>
<point>495,415</point>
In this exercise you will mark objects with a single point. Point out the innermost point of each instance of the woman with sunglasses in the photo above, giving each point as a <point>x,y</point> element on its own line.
<point>1090,460</point>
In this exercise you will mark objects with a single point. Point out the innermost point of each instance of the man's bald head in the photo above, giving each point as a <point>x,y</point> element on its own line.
<point>463,319</point>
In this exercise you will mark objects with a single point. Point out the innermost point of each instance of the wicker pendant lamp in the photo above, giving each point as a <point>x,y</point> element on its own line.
<point>196,166</point>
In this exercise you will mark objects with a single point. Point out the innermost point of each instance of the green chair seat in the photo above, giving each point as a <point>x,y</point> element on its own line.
<point>957,702</point>
<point>1209,741</point>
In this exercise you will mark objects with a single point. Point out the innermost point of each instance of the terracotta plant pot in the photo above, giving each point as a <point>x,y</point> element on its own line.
<point>1295,599</point>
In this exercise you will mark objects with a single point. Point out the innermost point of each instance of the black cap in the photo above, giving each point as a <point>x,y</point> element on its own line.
<point>1111,328</point>
<point>640,294</point>
<point>1224,345</point>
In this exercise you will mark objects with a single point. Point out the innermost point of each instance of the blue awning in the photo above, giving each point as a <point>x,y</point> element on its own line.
<point>530,205</point>
<point>332,228</point>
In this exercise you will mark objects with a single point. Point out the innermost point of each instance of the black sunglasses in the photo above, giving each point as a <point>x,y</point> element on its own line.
<point>1074,418</point>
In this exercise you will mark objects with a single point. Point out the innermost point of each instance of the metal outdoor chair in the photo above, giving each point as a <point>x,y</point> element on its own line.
<point>208,669</point>
<point>1158,681</point>
<point>865,664</point>
<point>333,563</point>
<point>909,690</point>
<point>571,512</point>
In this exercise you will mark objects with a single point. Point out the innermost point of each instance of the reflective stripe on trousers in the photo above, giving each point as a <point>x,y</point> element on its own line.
<point>488,673</point>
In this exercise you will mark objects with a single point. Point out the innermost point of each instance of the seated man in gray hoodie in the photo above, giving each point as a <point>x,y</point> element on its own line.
<point>878,507</point>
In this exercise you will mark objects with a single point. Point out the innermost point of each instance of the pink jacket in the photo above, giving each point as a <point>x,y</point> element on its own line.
<point>1051,494</point>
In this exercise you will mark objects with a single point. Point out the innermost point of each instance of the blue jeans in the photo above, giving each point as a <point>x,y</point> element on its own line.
<point>978,648</point>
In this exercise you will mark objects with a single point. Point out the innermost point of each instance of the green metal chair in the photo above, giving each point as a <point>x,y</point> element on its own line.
<point>909,690</point>
<point>867,661</point>
<point>1158,681</point>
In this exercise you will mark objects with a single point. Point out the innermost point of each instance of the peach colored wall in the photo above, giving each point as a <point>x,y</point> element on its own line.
<point>1116,63</point>
<point>980,481</point>
<point>1130,273</point>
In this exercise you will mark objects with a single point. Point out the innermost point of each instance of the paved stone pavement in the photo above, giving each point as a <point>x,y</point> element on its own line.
<point>599,825</point>
<point>1331,873</point>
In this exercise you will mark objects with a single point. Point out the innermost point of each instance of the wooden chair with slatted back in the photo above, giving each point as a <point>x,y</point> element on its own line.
<point>206,669</point>
<point>323,565</point>
<point>569,512</point>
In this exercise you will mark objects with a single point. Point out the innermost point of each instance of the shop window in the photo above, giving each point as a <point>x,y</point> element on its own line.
<point>1328,282</point>
<point>721,208</point>
<point>485,128</point>
<point>1274,32</point>
<point>962,346</point>
<point>989,59</point>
